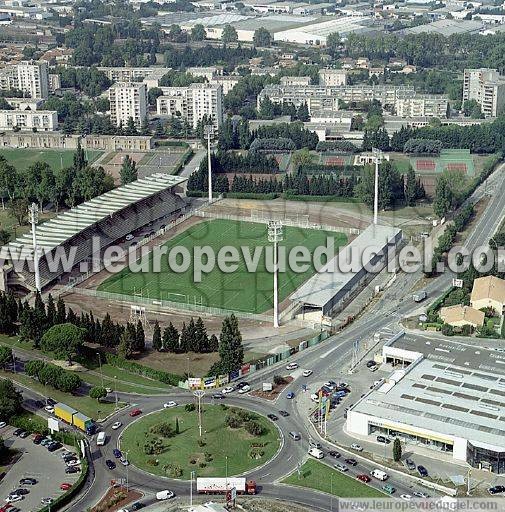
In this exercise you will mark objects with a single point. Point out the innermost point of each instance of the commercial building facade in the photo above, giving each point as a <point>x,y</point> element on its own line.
<point>128,100</point>
<point>487,87</point>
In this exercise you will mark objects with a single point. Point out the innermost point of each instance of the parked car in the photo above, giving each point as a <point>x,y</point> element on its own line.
<point>117,425</point>
<point>3,424</point>
<point>46,501</point>
<point>137,505</point>
<point>73,462</point>
<point>129,237</point>
<point>497,489</point>
<point>12,498</point>
<point>284,414</point>
<point>307,373</point>
<point>423,472</point>
<point>290,395</point>
<point>406,497</point>
<point>341,467</point>
<point>51,401</point>
<point>383,440</point>
<point>110,464</point>
<point>420,494</point>
<point>117,453</point>
<point>356,447</point>
<point>227,389</point>
<point>24,434</point>
<point>37,438</point>
<point>410,464</point>
<point>334,454</point>
<point>65,486</point>
<point>364,478</point>
<point>351,462</point>
<point>135,412</point>
<point>272,417</point>
<point>170,404</point>
<point>371,363</point>
<point>49,409</point>
<point>295,435</point>
<point>124,461</point>
<point>389,489</point>
<point>241,385</point>
<point>53,447</point>
<point>70,470</point>
<point>244,389</point>
<point>21,491</point>
<point>164,495</point>
<point>292,366</point>
<point>27,481</point>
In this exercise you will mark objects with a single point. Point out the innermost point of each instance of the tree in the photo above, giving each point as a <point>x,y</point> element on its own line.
<point>444,197</point>
<point>333,43</point>
<point>397,450</point>
<point>231,351</point>
<point>176,425</point>
<point>79,158</point>
<point>50,311</point>
<point>140,338</point>
<point>153,94</point>
<point>18,209</point>
<point>157,341</point>
<point>410,187</point>
<point>61,314</point>
<point>229,34</point>
<point>262,37</point>
<point>127,342</point>
<point>5,356</point>
<point>185,340</point>
<point>198,32</point>
<point>10,400</point>
<point>97,392</point>
<point>213,343</point>
<point>64,340</point>
<point>171,338</point>
<point>201,343</point>
<point>302,158</point>
<point>302,113</point>
<point>128,172</point>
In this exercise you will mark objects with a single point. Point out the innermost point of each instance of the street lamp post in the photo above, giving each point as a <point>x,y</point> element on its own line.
<point>378,155</point>
<point>191,476</point>
<point>199,395</point>
<point>33,212</point>
<point>115,390</point>
<point>127,454</point>
<point>275,236</point>
<point>208,130</point>
<point>100,364</point>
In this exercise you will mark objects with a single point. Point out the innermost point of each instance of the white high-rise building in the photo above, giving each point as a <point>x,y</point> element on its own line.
<point>193,103</point>
<point>33,78</point>
<point>487,87</point>
<point>128,100</point>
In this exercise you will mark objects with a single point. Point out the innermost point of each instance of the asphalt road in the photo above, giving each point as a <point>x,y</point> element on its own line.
<point>322,359</point>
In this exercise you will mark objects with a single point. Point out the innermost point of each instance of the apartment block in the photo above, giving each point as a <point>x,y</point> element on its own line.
<point>227,82</point>
<point>28,76</point>
<point>128,100</point>
<point>149,76</point>
<point>487,87</point>
<point>422,105</point>
<point>43,120</point>
<point>295,80</point>
<point>192,103</point>
<point>332,77</point>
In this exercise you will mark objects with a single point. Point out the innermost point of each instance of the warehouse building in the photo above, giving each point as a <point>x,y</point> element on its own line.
<point>336,284</point>
<point>443,396</point>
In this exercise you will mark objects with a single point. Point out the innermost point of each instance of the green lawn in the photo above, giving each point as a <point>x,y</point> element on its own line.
<point>323,478</point>
<point>183,448</point>
<point>88,406</point>
<point>239,290</point>
<point>22,158</point>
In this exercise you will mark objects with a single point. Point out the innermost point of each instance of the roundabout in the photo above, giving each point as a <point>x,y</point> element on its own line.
<point>167,443</point>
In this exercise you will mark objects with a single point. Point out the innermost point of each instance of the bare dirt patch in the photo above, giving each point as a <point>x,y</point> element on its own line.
<point>276,390</point>
<point>116,498</point>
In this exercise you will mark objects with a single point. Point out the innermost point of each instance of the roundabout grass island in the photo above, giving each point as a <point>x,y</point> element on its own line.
<point>167,443</point>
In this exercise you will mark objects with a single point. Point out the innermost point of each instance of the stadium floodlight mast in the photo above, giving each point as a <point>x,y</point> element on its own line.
<point>378,155</point>
<point>208,130</point>
<point>199,395</point>
<point>275,236</point>
<point>33,212</point>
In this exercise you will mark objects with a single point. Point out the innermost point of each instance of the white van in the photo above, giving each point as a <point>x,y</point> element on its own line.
<point>164,495</point>
<point>379,474</point>
<point>100,439</point>
<point>316,453</point>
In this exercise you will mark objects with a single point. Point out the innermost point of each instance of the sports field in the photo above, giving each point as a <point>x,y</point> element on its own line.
<point>240,290</point>
<point>22,158</point>
<point>458,160</point>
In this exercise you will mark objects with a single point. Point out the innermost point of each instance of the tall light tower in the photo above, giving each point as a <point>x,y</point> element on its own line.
<point>33,212</point>
<point>275,236</point>
<point>199,395</point>
<point>208,130</point>
<point>378,155</point>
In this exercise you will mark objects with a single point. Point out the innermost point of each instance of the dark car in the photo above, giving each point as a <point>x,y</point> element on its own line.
<point>422,471</point>
<point>284,414</point>
<point>137,506</point>
<point>135,412</point>
<point>241,385</point>
<point>70,470</point>
<point>383,440</point>
<point>351,462</point>
<point>17,432</point>
<point>54,446</point>
<point>50,401</point>
<point>411,466</point>
<point>334,454</point>
<point>497,489</point>
<point>110,464</point>
<point>21,491</point>
<point>24,434</point>
<point>371,363</point>
<point>38,438</point>
<point>218,396</point>
<point>272,417</point>
<point>27,481</point>
<point>117,453</point>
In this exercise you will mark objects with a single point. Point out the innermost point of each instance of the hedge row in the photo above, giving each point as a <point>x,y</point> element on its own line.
<point>324,199</point>
<point>184,160</point>
<point>144,371</point>
<point>236,195</point>
<point>171,143</point>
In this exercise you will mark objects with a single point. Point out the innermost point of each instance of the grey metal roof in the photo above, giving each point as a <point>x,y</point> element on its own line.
<point>57,231</point>
<point>323,286</point>
<point>450,400</point>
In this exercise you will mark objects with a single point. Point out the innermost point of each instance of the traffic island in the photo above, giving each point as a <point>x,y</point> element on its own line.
<point>232,441</point>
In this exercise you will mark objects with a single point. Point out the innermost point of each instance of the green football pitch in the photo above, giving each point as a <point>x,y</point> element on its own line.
<point>240,290</point>
<point>22,158</point>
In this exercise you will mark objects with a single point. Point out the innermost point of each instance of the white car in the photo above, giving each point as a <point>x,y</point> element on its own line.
<point>116,425</point>
<point>124,462</point>
<point>406,497</point>
<point>49,409</point>
<point>164,495</point>
<point>292,366</point>
<point>109,390</point>
<point>129,237</point>
<point>3,424</point>
<point>73,463</point>
<point>307,373</point>
<point>356,447</point>
<point>12,498</point>
<point>46,501</point>
<point>228,389</point>
<point>170,404</point>
<point>244,389</point>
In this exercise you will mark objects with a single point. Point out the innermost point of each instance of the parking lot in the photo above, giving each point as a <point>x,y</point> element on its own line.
<point>47,468</point>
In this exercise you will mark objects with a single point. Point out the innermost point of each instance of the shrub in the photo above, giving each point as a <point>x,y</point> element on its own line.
<point>279,380</point>
<point>232,421</point>
<point>164,429</point>
<point>254,428</point>
<point>189,407</point>
<point>173,470</point>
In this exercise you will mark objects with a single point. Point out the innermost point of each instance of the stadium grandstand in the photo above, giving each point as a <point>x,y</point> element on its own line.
<point>91,226</point>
